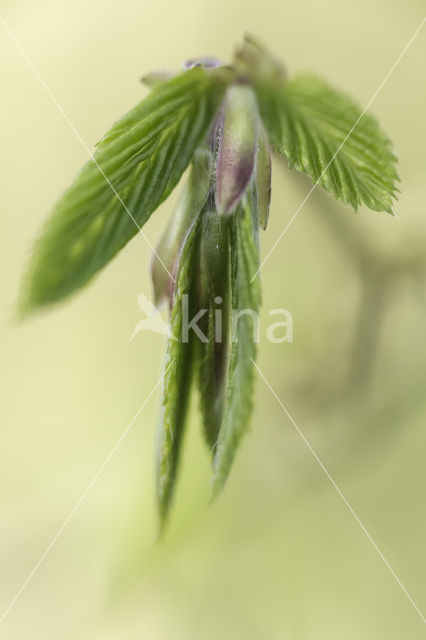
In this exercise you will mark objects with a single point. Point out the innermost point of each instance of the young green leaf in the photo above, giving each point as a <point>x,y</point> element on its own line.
<point>245,305</point>
<point>135,167</point>
<point>214,295</point>
<point>177,379</point>
<point>309,122</point>
<point>189,207</point>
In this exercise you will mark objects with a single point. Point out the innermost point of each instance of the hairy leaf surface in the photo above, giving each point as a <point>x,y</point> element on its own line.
<point>309,122</point>
<point>189,207</point>
<point>135,167</point>
<point>177,380</point>
<point>214,295</point>
<point>245,303</point>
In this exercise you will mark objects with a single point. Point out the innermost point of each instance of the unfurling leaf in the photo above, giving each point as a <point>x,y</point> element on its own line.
<point>245,303</point>
<point>166,257</point>
<point>214,296</point>
<point>309,122</point>
<point>141,159</point>
<point>177,380</point>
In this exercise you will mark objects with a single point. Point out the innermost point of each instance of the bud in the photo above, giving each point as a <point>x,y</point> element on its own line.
<point>235,134</point>
<point>165,260</point>
<point>205,62</point>
<point>262,188</point>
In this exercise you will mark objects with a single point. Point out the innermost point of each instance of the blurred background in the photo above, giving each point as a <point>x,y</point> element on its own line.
<point>279,555</point>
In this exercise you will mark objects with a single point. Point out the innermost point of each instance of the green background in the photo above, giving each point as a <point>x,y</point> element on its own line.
<point>279,555</point>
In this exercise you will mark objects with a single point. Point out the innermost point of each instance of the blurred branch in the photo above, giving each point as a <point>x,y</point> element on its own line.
<point>378,274</point>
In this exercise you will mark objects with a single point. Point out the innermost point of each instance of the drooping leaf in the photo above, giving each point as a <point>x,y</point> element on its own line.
<point>245,305</point>
<point>214,295</point>
<point>308,121</point>
<point>166,257</point>
<point>177,379</point>
<point>135,167</point>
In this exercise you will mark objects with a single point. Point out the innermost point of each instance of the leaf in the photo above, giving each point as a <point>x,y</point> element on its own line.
<point>190,204</point>
<point>177,381</point>
<point>142,158</point>
<point>246,299</point>
<point>214,295</point>
<point>309,122</point>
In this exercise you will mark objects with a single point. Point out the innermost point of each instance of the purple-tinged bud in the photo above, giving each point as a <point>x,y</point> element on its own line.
<point>205,62</point>
<point>165,261</point>
<point>156,78</point>
<point>236,132</point>
<point>263,177</point>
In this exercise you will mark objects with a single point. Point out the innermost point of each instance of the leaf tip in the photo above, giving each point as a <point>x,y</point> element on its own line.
<point>162,522</point>
<point>217,484</point>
